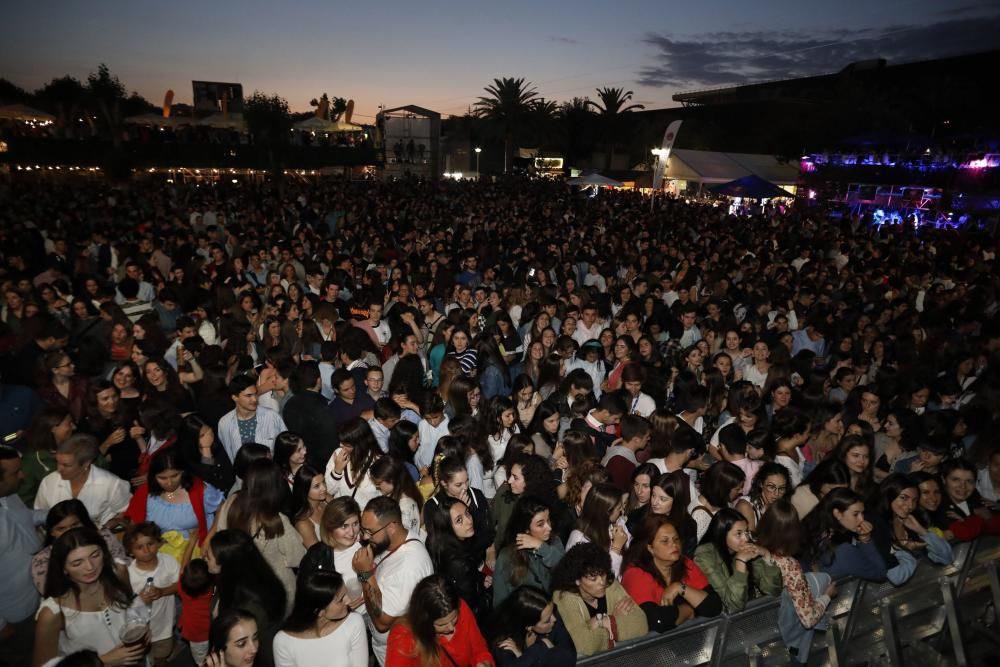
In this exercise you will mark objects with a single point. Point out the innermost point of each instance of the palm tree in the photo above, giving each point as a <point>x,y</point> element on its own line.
<point>544,121</point>
<point>577,121</point>
<point>508,103</point>
<point>612,108</point>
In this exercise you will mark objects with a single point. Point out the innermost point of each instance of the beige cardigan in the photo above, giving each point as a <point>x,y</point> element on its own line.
<point>573,611</point>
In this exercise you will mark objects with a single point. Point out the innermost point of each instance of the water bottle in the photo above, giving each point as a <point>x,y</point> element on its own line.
<point>148,588</point>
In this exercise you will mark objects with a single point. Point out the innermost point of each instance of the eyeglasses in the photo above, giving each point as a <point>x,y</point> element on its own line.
<point>369,534</point>
<point>771,488</point>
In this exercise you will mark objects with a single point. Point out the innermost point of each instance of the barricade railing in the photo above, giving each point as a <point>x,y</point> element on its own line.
<point>870,623</point>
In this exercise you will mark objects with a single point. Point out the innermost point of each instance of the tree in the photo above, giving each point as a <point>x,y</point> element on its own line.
<point>612,109</point>
<point>269,122</point>
<point>578,121</point>
<point>108,95</point>
<point>332,108</point>
<point>11,93</point>
<point>65,97</point>
<point>136,104</point>
<point>544,123</point>
<point>508,105</point>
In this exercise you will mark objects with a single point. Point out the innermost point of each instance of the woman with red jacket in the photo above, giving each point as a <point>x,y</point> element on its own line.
<point>439,630</point>
<point>668,586</point>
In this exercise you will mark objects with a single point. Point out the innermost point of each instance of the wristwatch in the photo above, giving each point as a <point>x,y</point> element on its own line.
<point>363,577</point>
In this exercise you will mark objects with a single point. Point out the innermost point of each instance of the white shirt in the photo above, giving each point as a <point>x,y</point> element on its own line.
<point>596,280</point>
<point>325,373</point>
<point>362,491</point>
<point>429,436</point>
<point>342,560</point>
<point>397,574</point>
<point>754,376</point>
<point>642,405</point>
<point>795,468</point>
<point>347,646</point>
<point>104,494</point>
<point>167,573</point>
<point>583,334</point>
<point>577,537</point>
<point>87,630</point>
<point>269,425</point>
<point>985,486</point>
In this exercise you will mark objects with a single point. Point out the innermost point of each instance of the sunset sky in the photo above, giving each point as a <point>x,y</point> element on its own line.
<point>440,54</point>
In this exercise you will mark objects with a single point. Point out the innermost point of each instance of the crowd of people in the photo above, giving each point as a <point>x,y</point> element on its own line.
<point>469,423</point>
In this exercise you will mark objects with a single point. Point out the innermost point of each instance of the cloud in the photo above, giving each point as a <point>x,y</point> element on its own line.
<point>971,8</point>
<point>736,57</point>
<point>562,40</point>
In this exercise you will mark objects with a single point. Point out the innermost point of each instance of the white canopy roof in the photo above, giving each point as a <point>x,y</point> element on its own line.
<point>595,179</point>
<point>719,167</point>
<point>24,112</point>
<point>158,120</point>
<point>224,120</point>
<point>317,124</point>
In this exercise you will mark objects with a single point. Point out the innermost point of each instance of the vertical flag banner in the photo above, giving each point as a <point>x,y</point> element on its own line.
<point>668,143</point>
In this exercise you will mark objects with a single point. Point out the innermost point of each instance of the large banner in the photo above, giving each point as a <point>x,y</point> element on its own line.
<point>209,96</point>
<point>668,143</point>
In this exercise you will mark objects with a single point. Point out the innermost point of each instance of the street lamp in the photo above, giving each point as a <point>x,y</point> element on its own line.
<point>478,151</point>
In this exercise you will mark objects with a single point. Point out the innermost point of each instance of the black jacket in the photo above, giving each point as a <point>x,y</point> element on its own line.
<point>307,414</point>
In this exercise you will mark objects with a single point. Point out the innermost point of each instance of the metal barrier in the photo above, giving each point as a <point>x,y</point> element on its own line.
<point>870,623</point>
<point>691,644</point>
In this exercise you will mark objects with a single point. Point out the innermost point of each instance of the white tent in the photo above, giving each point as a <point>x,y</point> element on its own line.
<point>711,167</point>
<point>223,121</point>
<point>317,124</point>
<point>593,178</point>
<point>341,126</point>
<point>157,120</point>
<point>25,113</point>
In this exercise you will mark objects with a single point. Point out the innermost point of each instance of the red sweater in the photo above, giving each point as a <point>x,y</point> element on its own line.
<point>644,588</point>
<point>466,646</point>
<point>196,615</point>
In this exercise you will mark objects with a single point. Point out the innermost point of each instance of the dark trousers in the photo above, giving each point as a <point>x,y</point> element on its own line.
<point>18,644</point>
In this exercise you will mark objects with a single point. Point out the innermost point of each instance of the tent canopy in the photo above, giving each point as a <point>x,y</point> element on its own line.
<point>316,124</point>
<point>594,178</point>
<point>157,120</point>
<point>224,120</point>
<point>751,186</point>
<point>24,112</point>
<point>710,167</point>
